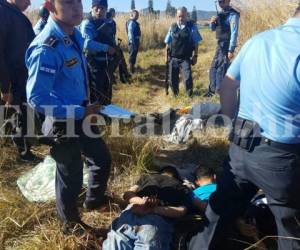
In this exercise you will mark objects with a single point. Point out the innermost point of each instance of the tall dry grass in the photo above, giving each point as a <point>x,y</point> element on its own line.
<point>260,15</point>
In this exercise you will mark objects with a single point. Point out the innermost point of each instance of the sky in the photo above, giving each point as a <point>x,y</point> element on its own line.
<point>124,5</point>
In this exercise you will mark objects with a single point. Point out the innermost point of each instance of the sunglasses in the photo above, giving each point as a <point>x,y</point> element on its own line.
<point>221,1</point>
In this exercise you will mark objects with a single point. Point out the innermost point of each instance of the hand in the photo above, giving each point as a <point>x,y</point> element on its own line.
<point>230,55</point>
<point>111,51</point>
<point>7,98</point>
<point>92,109</point>
<point>214,19</point>
<point>152,202</point>
<point>194,60</point>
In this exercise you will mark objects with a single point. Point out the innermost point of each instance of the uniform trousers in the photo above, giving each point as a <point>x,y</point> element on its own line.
<point>67,152</point>
<point>219,66</point>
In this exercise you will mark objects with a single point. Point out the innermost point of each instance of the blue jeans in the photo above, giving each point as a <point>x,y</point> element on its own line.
<point>130,231</point>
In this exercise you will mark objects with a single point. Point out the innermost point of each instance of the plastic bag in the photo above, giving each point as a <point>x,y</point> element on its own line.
<point>38,184</point>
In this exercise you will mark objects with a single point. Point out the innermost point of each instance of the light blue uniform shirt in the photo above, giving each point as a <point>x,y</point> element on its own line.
<point>57,72</point>
<point>233,20</point>
<point>88,31</point>
<point>40,25</point>
<point>195,34</point>
<point>203,193</point>
<point>269,73</point>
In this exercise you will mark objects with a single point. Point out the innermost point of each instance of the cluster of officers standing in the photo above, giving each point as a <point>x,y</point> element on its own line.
<point>67,68</point>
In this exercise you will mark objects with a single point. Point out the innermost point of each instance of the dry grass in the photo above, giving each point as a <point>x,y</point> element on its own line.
<point>25,225</point>
<point>257,16</point>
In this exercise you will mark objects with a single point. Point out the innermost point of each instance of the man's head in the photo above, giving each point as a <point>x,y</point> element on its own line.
<point>224,4</point>
<point>68,12</point>
<point>22,5</point>
<point>134,15</point>
<point>112,12</point>
<point>44,12</point>
<point>205,176</point>
<point>170,171</point>
<point>182,15</point>
<point>99,8</point>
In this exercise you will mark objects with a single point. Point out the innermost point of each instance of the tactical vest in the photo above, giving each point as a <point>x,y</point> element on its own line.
<point>182,45</point>
<point>137,31</point>
<point>104,33</point>
<point>223,30</point>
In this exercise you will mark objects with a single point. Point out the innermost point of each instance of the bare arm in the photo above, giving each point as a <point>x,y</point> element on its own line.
<point>228,96</point>
<point>171,212</point>
<point>131,197</point>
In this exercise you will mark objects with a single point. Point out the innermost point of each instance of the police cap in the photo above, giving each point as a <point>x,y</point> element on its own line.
<point>99,3</point>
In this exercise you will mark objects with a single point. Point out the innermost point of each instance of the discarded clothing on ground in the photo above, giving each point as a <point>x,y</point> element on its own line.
<point>38,184</point>
<point>196,120</point>
<point>183,128</point>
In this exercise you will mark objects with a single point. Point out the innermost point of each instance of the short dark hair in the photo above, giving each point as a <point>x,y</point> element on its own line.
<point>170,170</point>
<point>204,172</point>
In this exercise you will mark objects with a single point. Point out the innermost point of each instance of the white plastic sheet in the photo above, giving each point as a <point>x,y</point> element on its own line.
<point>38,184</point>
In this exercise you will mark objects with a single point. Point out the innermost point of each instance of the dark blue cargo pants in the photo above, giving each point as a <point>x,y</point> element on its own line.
<point>133,52</point>
<point>276,172</point>
<point>176,65</point>
<point>69,175</point>
<point>218,67</point>
<point>101,82</point>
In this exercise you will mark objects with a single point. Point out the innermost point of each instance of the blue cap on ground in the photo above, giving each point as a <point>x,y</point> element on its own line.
<point>99,3</point>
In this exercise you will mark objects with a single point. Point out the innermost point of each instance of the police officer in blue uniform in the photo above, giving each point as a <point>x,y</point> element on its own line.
<point>265,142</point>
<point>96,27</point>
<point>41,23</point>
<point>58,88</point>
<point>182,40</point>
<point>110,15</point>
<point>16,34</point>
<point>226,26</point>
<point>134,36</point>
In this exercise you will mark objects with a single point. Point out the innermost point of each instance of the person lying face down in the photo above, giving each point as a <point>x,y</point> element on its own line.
<point>155,202</point>
<point>205,180</point>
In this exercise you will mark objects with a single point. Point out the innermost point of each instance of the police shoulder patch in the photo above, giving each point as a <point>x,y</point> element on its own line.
<point>51,41</point>
<point>48,69</point>
<point>71,62</point>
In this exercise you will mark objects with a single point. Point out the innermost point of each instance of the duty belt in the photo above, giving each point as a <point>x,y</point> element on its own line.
<point>246,134</point>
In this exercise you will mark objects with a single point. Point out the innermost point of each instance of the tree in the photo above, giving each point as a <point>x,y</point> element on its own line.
<point>132,5</point>
<point>150,6</point>
<point>170,10</point>
<point>194,14</point>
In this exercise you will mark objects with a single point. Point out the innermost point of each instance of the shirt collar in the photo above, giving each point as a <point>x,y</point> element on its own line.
<point>294,21</point>
<point>61,34</point>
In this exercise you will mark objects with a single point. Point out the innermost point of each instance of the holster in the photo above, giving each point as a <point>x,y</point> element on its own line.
<point>245,134</point>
